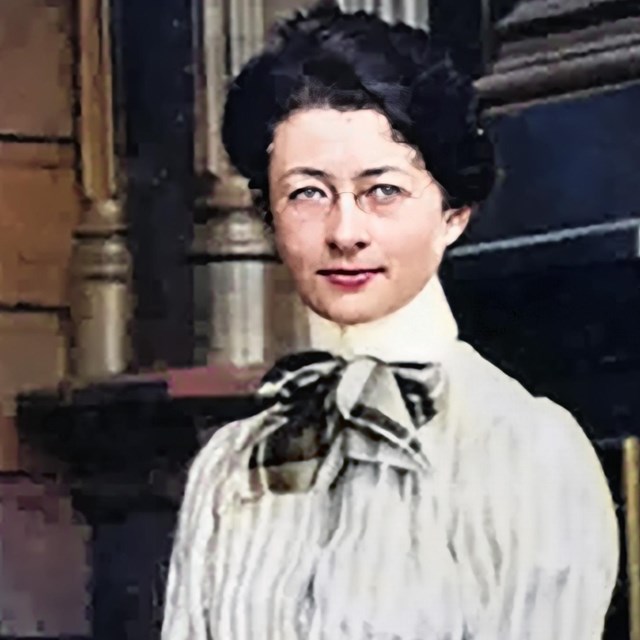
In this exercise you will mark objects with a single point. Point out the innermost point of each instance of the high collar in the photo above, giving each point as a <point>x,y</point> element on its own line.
<point>418,332</point>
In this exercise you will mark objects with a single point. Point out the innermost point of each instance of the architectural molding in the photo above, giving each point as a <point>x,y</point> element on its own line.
<point>548,48</point>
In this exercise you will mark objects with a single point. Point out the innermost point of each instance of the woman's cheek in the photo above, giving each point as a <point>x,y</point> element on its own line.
<point>296,255</point>
<point>302,242</point>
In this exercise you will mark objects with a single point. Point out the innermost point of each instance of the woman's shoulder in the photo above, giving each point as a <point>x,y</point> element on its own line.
<point>540,442</point>
<point>223,440</point>
<point>507,408</point>
<point>220,454</point>
<point>477,382</point>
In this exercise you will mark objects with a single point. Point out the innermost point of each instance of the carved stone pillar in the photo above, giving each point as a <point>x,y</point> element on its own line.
<point>415,13</point>
<point>101,272</point>
<point>101,264</point>
<point>235,246</point>
<point>241,261</point>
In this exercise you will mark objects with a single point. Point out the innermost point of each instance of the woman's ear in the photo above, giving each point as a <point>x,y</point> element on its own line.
<point>456,221</point>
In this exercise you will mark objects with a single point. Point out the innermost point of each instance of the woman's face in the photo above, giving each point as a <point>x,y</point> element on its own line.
<point>352,263</point>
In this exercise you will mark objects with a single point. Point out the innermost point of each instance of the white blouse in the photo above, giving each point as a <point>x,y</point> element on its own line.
<point>510,533</point>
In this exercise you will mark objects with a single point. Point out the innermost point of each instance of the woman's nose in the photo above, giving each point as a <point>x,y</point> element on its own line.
<point>347,228</point>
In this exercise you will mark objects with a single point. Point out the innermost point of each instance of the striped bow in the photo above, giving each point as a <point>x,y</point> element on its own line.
<point>314,396</point>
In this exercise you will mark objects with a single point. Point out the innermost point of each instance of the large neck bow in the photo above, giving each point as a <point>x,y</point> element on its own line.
<point>313,397</point>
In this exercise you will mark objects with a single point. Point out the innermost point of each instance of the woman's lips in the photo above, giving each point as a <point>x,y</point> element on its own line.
<point>350,278</point>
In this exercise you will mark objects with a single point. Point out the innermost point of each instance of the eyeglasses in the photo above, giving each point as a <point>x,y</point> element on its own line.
<point>380,200</point>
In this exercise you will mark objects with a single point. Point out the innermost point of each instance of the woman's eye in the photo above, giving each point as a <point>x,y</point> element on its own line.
<point>385,191</point>
<point>307,193</point>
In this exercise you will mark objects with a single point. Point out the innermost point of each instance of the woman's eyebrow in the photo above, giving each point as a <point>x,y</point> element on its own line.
<point>319,173</point>
<point>310,172</point>
<point>378,171</point>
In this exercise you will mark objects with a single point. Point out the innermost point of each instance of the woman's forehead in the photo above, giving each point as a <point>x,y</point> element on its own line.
<point>331,139</point>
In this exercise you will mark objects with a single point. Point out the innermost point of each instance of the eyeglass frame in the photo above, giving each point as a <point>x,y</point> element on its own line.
<point>357,196</point>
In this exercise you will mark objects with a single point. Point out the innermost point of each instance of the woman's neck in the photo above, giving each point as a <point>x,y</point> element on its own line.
<point>419,332</point>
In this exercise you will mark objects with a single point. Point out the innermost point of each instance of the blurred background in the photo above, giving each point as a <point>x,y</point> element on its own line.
<point>141,296</point>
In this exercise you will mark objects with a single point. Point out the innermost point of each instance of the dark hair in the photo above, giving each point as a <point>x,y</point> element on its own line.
<point>327,58</point>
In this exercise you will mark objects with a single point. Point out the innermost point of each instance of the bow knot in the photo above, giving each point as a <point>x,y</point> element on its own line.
<point>315,396</point>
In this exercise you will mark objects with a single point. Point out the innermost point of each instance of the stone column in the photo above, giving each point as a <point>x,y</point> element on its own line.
<point>242,273</point>
<point>241,260</point>
<point>101,273</point>
<point>101,265</point>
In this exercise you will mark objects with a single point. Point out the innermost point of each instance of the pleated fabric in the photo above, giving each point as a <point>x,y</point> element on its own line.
<point>510,533</point>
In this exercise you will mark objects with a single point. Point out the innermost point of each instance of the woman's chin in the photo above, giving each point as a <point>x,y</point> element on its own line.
<point>349,310</point>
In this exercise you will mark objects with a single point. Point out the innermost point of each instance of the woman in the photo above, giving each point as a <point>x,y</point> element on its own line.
<point>397,485</point>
